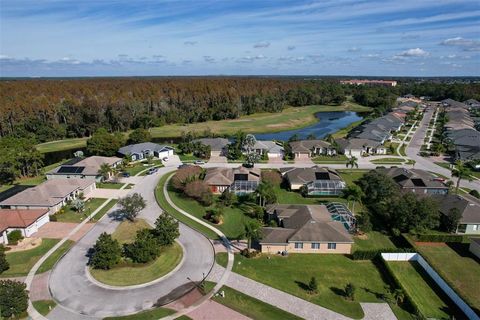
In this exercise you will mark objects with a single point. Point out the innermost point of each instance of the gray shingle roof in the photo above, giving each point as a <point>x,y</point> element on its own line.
<point>305,223</point>
<point>413,178</point>
<point>216,144</point>
<point>469,210</point>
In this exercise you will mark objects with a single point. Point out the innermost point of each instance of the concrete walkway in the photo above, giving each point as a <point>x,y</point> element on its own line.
<point>226,272</point>
<point>293,304</point>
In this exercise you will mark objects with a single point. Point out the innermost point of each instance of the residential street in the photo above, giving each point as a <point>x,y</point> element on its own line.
<point>71,288</point>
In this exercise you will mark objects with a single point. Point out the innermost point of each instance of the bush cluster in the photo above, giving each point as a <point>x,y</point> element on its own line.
<point>438,238</point>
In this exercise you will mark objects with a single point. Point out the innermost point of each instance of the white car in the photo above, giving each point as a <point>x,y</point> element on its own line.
<point>199,162</point>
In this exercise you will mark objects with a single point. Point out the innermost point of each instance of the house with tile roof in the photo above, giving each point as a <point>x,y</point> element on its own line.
<point>304,229</point>
<point>27,221</point>
<point>218,146</point>
<point>270,148</point>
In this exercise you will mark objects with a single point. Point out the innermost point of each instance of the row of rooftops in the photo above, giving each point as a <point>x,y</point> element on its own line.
<point>219,144</point>
<point>84,166</point>
<point>461,128</point>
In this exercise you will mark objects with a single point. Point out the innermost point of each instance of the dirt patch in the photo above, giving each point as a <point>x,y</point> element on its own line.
<point>431,244</point>
<point>26,244</point>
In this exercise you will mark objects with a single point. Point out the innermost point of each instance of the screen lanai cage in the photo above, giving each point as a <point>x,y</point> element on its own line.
<point>325,187</point>
<point>340,212</point>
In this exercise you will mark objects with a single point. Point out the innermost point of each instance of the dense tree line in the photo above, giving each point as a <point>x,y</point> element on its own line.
<point>48,109</point>
<point>55,109</point>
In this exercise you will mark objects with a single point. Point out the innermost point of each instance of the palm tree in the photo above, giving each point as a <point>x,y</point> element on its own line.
<point>105,171</point>
<point>262,192</point>
<point>461,172</point>
<point>253,231</point>
<point>352,193</point>
<point>352,162</point>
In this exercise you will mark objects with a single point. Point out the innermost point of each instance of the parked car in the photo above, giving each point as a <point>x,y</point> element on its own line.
<point>199,162</point>
<point>125,174</point>
<point>165,159</point>
<point>183,165</point>
<point>152,170</point>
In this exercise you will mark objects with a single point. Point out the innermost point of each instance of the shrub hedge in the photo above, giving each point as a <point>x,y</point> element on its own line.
<point>408,303</point>
<point>439,238</point>
<point>371,254</point>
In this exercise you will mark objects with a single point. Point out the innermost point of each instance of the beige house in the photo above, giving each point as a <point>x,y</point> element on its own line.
<point>304,149</point>
<point>27,221</point>
<point>238,180</point>
<point>359,147</point>
<point>51,194</point>
<point>319,181</point>
<point>304,229</point>
<point>87,168</point>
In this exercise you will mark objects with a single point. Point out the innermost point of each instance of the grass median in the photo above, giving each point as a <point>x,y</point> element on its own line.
<point>128,273</point>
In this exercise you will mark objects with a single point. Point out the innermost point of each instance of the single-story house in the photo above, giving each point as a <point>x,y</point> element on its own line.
<point>358,147</point>
<point>472,103</point>
<point>318,180</point>
<point>304,149</point>
<point>270,148</point>
<point>238,180</point>
<point>475,247</point>
<point>27,221</point>
<point>218,146</point>
<point>51,195</point>
<point>304,229</point>
<point>470,220</point>
<point>417,181</point>
<point>83,168</point>
<point>141,151</point>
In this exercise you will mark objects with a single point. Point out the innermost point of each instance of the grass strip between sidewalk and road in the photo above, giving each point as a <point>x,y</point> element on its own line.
<point>162,202</point>
<point>251,307</point>
<point>44,306</point>
<point>54,257</point>
<point>153,314</point>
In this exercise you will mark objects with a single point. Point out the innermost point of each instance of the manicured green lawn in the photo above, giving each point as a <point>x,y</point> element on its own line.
<point>104,210</point>
<point>153,314</point>
<point>288,119</point>
<point>234,219</point>
<point>416,282</point>
<point>388,161</point>
<point>55,256</point>
<point>330,159</point>
<point>138,167</point>
<point>251,307</point>
<point>188,157</point>
<point>162,202</point>
<point>333,272</point>
<point>132,274</point>
<point>69,215</point>
<point>109,185</point>
<point>458,267</point>
<point>373,240</point>
<point>21,262</point>
<point>44,306</point>
<point>351,175</point>
<point>126,231</point>
<point>59,145</point>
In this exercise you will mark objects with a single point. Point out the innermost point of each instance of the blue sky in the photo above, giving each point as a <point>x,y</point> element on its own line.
<point>241,37</point>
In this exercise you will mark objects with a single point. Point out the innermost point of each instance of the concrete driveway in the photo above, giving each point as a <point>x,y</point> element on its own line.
<point>108,193</point>
<point>71,288</point>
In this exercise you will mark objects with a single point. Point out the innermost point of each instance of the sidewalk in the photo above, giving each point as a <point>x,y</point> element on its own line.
<point>292,304</point>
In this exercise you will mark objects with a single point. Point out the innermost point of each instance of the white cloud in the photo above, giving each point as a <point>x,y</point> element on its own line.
<point>417,52</point>
<point>209,59</point>
<point>262,44</point>
<point>290,48</point>
<point>466,44</point>
<point>354,49</point>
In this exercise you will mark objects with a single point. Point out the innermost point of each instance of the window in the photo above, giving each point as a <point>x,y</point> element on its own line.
<point>298,245</point>
<point>315,245</point>
<point>332,246</point>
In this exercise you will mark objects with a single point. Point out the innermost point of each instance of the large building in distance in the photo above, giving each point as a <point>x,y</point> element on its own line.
<point>387,83</point>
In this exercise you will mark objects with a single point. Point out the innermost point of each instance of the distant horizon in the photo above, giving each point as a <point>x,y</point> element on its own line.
<point>245,76</point>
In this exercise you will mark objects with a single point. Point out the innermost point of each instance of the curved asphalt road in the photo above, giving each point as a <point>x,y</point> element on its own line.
<point>71,288</point>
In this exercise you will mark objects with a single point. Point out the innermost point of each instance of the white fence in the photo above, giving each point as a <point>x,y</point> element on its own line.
<point>436,277</point>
